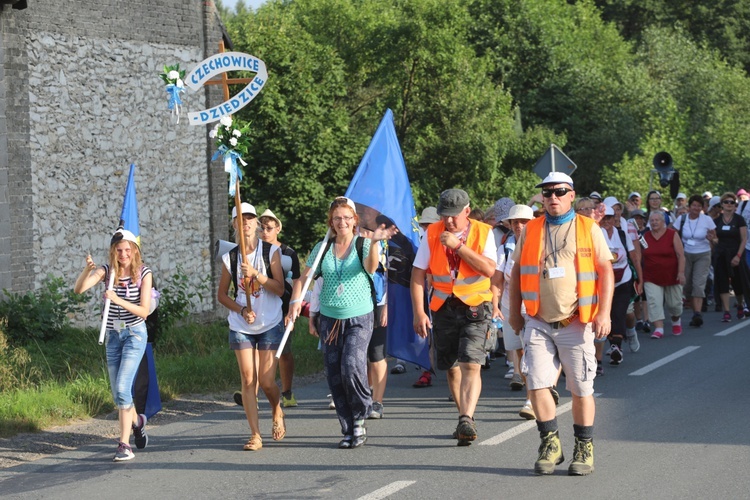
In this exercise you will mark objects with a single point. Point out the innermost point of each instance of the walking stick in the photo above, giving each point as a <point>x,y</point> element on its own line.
<point>241,231</point>
<point>107,302</point>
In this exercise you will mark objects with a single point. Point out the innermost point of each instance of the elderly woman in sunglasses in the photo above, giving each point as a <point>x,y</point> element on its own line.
<point>728,261</point>
<point>346,314</point>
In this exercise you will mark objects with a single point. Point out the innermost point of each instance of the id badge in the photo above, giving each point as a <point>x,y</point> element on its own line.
<point>556,272</point>
<point>690,243</point>
<point>726,228</point>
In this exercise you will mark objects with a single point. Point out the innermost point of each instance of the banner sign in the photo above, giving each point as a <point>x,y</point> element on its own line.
<point>222,63</point>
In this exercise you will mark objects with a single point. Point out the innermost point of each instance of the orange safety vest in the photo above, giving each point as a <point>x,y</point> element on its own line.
<point>531,256</point>
<point>469,286</point>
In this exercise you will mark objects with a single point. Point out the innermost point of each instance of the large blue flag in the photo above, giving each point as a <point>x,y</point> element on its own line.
<point>381,190</point>
<point>145,387</point>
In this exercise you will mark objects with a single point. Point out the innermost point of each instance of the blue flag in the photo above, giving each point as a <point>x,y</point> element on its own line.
<point>381,190</point>
<point>145,387</point>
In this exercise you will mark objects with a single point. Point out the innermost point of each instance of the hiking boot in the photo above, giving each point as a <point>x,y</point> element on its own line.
<point>516,382</point>
<point>359,436</point>
<point>377,411</point>
<point>139,432</point>
<point>615,357</point>
<point>550,454</point>
<point>583,458</point>
<point>466,430</point>
<point>697,320</point>
<point>124,453</point>
<point>527,412</point>
<point>288,402</point>
<point>633,343</point>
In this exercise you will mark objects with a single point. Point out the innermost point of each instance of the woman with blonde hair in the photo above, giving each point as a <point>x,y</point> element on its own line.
<point>126,329</point>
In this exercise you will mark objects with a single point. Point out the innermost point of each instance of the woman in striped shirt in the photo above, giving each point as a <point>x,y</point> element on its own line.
<point>126,329</point>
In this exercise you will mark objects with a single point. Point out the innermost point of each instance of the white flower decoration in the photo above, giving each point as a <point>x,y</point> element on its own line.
<point>173,75</point>
<point>180,84</point>
<point>236,132</point>
<point>233,141</point>
<point>213,132</point>
<point>226,121</point>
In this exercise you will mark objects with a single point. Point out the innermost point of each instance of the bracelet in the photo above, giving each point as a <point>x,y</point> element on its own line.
<point>460,244</point>
<point>294,301</point>
<point>242,311</point>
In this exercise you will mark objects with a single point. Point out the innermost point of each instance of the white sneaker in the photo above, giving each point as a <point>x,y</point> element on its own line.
<point>633,343</point>
<point>527,412</point>
<point>331,404</point>
<point>510,373</point>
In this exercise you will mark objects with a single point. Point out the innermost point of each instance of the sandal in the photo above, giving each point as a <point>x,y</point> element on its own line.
<point>255,443</point>
<point>424,380</point>
<point>279,428</point>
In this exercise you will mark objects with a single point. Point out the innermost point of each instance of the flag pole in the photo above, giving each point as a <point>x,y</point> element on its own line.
<point>107,302</point>
<point>314,266</point>
<point>241,232</point>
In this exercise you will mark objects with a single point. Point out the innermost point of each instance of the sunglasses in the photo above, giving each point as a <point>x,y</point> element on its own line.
<point>559,192</point>
<point>728,202</point>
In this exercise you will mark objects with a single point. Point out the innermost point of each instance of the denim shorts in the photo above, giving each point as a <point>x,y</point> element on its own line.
<point>124,353</point>
<point>266,341</point>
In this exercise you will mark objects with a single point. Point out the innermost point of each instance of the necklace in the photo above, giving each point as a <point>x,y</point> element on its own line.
<point>340,271</point>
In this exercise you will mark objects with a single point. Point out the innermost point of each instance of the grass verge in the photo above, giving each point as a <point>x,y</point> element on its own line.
<point>50,383</point>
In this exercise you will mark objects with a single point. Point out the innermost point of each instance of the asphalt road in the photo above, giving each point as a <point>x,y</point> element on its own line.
<point>670,423</point>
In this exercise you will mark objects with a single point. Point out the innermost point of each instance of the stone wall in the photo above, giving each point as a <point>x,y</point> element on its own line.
<point>94,105</point>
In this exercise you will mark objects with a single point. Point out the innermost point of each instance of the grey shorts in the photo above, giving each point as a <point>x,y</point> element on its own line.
<point>457,338</point>
<point>571,347</point>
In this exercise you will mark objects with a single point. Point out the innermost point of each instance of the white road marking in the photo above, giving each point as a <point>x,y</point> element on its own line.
<point>387,491</point>
<point>734,328</point>
<point>657,364</point>
<point>521,428</point>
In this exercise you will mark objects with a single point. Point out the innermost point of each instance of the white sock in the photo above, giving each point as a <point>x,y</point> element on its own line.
<point>630,332</point>
<point>677,322</point>
<point>659,330</point>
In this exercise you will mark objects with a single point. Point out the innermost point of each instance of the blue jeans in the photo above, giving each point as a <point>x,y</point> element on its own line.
<point>124,352</point>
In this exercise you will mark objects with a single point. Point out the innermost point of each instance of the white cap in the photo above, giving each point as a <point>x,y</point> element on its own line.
<point>348,202</point>
<point>708,194</point>
<point>634,193</point>
<point>520,212</point>
<point>556,178</point>
<point>681,195</point>
<point>270,214</point>
<point>429,216</point>
<point>608,210</point>
<point>124,234</point>
<point>595,196</point>
<point>246,209</point>
<point>611,201</point>
<point>714,201</point>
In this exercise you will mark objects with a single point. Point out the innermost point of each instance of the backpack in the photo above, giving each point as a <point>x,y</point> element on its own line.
<point>623,239</point>
<point>683,218</point>
<point>377,281</point>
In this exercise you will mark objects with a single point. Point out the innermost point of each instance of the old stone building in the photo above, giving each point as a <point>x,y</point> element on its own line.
<point>80,100</point>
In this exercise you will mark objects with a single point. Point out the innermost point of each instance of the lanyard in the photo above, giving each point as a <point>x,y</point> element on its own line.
<point>340,272</point>
<point>454,261</point>
<point>553,242</point>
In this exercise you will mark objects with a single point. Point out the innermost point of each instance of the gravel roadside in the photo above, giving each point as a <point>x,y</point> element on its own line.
<point>27,447</point>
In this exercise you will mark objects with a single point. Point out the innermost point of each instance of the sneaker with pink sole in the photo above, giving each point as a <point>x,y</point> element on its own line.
<point>657,334</point>
<point>676,329</point>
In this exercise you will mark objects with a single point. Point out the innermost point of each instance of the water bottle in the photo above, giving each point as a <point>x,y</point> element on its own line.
<point>498,323</point>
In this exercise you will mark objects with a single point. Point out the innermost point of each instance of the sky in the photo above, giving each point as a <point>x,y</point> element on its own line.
<point>250,3</point>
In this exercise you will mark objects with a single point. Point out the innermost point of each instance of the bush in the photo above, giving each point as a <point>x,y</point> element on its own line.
<point>178,296</point>
<point>41,314</point>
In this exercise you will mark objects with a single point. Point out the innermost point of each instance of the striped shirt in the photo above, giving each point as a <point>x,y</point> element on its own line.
<point>129,291</point>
